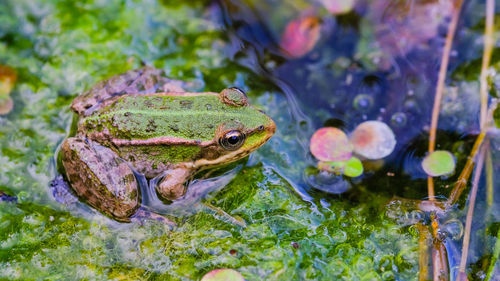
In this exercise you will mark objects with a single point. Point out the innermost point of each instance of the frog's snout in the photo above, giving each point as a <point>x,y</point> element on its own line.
<point>270,128</point>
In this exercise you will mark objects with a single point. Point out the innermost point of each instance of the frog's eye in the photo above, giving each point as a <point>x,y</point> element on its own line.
<point>234,96</point>
<point>232,140</point>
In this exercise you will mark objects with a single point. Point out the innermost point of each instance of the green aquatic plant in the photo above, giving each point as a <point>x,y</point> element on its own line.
<point>439,163</point>
<point>59,49</point>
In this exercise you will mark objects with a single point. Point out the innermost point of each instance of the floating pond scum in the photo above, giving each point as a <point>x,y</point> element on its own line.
<point>425,207</point>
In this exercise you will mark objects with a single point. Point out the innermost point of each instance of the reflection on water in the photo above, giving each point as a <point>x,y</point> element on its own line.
<point>372,60</point>
<point>189,203</point>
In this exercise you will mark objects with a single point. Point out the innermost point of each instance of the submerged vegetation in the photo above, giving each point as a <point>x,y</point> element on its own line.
<point>386,148</point>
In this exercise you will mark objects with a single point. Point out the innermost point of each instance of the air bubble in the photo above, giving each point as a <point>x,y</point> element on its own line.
<point>363,102</point>
<point>399,119</point>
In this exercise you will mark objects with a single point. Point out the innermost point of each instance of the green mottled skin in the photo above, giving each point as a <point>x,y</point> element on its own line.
<point>193,117</point>
<point>143,121</point>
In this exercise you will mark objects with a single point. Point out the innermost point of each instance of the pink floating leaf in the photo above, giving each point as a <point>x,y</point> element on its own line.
<point>223,274</point>
<point>330,144</point>
<point>300,36</point>
<point>6,105</point>
<point>373,140</point>
<point>338,7</point>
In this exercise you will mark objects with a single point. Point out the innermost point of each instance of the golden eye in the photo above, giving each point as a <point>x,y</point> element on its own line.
<point>232,140</point>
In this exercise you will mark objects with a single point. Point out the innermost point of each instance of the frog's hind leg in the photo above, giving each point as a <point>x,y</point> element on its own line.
<point>100,177</point>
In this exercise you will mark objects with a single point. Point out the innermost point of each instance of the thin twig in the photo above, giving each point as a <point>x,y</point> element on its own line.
<point>487,50</point>
<point>470,213</point>
<point>440,87</point>
<point>423,249</point>
<point>467,170</point>
<point>489,42</point>
<point>439,261</point>
<point>488,39</point>
<point>489,177</point>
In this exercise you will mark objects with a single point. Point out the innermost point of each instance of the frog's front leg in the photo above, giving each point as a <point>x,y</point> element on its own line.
<point>100,177</point>
<point>172,186</point>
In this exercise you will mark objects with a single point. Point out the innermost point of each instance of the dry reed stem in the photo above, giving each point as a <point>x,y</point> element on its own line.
<point>489,42</point>
<point>440,87</point>
<point>470,213</point>
<point>487,50</point>
<point>489,177</point>
<point>466,171</point>
<point>439,261</point>
<point>423,249</point>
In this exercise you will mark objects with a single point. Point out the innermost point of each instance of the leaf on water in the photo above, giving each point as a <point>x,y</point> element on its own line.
<point>401,27</point>
<point>330,144</point>
<point>353,167</point>
<point>7,79</point>
<point>224,274</point>
<point>438,163</point>
<point>6,105</point>
<point>338,7</point>
<point>373,140</point>
<point>334,167</point>
<point>300,36</point>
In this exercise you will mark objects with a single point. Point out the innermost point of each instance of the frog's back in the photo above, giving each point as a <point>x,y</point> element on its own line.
<point>181,116</point>
<point>139,81</point>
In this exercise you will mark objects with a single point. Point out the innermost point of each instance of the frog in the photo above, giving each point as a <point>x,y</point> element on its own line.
<point>143,123</point>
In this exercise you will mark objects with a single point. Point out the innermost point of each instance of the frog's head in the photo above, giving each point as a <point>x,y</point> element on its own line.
<point>243,130</point>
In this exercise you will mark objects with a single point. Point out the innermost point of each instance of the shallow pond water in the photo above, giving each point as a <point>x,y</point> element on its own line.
<point>378,61</point>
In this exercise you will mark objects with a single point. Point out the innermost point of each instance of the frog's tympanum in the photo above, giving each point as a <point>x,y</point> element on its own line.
<point>144,122</point>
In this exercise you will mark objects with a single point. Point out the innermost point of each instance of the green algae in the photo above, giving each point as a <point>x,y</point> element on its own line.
<point>284,240</point>
<point>61,48</point>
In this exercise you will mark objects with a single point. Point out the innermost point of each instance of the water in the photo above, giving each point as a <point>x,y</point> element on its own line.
<point>298,227</point>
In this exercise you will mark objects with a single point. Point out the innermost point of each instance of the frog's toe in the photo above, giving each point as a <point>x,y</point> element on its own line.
<point>172,185</point>
<point>142,214</point>
<point>61,191</point>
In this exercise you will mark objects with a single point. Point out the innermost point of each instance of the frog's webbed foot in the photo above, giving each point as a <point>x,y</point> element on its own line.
<point>172,186</point>
<point>143,214</point>
<point>223,216</point>
<point>100,177</point>
<point>62,192</point>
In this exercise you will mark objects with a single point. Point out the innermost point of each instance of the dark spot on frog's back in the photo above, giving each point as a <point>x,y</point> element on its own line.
<point>151,126</point>
<point>174,127</point>
<point>140,87</point>
<point>148,103</point>
<point>186,104</point>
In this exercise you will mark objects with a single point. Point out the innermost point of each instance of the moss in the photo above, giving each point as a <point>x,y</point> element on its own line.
<point>61,48</point>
